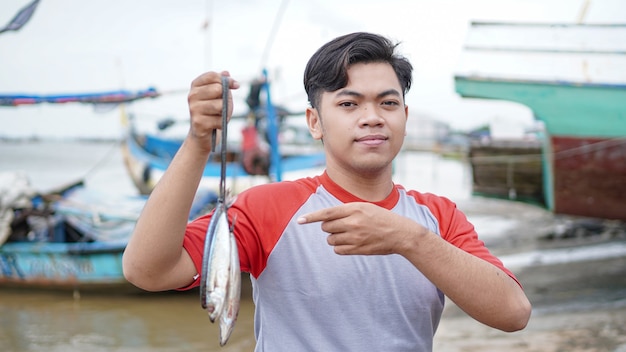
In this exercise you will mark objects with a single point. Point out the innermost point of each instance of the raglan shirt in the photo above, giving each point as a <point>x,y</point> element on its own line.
<point>308,298</point>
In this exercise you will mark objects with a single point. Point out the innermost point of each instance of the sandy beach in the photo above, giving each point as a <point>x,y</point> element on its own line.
<point>572,331</point>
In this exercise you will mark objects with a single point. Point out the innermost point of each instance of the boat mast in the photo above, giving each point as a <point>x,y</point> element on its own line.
<point>583,12</point>
<point>272,119</point>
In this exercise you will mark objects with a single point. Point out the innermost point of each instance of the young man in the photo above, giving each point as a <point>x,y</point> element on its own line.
<point>344,261</point>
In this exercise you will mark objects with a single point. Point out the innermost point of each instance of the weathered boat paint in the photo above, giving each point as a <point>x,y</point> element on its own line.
<point>508,169</point>
<point>573,79</point>
<point>62,265</point>
<point>589,176</point>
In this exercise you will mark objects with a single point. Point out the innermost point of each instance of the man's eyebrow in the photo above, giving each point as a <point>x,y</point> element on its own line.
<point>348,92</point>
<point>353,93</point>
<point>392,91</point>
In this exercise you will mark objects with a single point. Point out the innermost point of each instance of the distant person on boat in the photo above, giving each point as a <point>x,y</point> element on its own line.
<point>254,99</point>
<point>255,156</point>
<point>346,260</point>
<point>257,110</point>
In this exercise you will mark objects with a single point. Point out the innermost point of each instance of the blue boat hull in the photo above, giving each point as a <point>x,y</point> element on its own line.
<point>62,265</point>
<point>147,157</point>
<point>77,241</point>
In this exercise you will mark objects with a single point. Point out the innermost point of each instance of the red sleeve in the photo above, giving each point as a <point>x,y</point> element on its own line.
<point>193,243</point>
<point>271,207</point>
<point>457,230</point>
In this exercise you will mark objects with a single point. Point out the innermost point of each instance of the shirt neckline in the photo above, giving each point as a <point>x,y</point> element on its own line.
<point>346,197</point>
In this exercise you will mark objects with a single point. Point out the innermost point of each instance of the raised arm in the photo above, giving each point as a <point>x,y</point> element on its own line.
<point>154,258</point>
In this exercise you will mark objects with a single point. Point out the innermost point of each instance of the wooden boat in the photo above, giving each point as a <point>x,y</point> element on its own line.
<point>573,79</point>
<point>507,169</point>
<point>72,238</point>
<point>255,155</point>
<point>147,156</point>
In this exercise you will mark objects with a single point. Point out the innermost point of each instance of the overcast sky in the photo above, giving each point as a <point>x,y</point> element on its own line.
<point>72,46</point>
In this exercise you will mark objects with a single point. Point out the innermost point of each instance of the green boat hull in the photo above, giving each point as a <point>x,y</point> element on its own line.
<point>567,109</point>
<point>584,152</point>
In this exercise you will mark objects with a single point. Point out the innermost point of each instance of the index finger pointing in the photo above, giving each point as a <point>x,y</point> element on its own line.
<point>320,215</point>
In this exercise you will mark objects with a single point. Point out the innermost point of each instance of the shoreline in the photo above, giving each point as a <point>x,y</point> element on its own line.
<point>576,284</point>
<point>566,331</point>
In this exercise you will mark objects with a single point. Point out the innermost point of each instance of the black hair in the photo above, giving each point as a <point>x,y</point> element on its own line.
<point>327,69</point>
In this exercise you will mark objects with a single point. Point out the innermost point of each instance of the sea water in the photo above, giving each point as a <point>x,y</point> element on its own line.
<point>52,164</point>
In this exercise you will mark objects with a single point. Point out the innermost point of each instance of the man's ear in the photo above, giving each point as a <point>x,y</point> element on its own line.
<point>314,123</point>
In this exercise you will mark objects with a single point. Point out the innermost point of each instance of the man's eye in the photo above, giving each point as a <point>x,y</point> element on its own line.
<point>347,104</point>
<point>391,103</point>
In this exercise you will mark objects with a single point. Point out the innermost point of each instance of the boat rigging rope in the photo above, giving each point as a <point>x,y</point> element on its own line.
<point>275,27</point>
<point>579,150</point>
<point>100,163</point>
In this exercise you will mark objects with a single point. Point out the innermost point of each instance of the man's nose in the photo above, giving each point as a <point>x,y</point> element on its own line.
<point>371,116</point>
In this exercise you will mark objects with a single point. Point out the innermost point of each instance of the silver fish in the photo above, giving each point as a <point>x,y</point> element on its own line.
<point>231,308</point>
<point>216,274</point>
<point>220,282</point>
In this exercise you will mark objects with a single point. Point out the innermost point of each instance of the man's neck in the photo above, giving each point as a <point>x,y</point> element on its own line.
<point>373,187</point>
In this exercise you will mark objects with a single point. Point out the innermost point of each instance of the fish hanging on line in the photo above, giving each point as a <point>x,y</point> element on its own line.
<point>220,282</point>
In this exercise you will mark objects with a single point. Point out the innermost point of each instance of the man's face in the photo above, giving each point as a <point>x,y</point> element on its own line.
<point>363,124</point>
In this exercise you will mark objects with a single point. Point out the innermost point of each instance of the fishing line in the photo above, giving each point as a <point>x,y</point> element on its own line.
<point>225,90</point>
<point>220,206</point>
